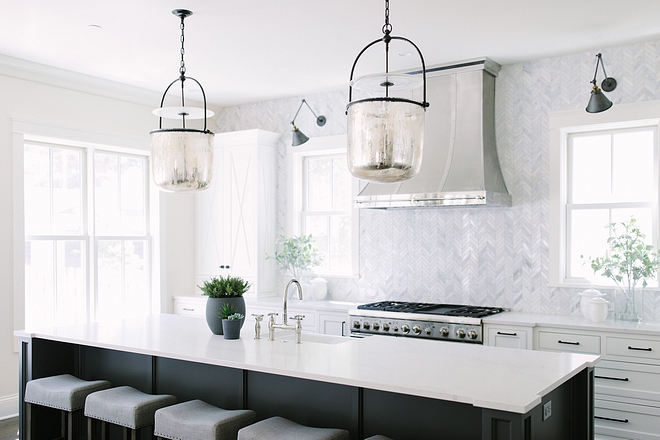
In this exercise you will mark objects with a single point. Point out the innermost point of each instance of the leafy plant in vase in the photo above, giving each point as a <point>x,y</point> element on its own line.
<point>296,255</point>
<point>223,290</point>
<point>627,261</point>
<point>232,321</point>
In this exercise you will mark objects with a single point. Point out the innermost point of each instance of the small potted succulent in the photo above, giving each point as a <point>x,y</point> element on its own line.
<point>232,321</point>
<point>296,255</point>
<point>223,290</point>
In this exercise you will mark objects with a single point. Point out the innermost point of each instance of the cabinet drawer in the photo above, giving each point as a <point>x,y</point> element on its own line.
<point>569,342</point>
<point>634,348</point>
<point>509,337</point>
<point>623,379</point>
<point>626,421</point>
<point>190,309</point>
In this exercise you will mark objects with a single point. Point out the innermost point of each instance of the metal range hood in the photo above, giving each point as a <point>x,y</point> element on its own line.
<point>460,166</point>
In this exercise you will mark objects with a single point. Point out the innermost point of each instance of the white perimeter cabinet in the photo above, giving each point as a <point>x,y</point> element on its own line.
<point>236,215</point>
<point>627,379</point>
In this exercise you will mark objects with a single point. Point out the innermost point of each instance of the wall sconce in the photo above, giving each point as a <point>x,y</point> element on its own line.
<point>298,138</point>
<point>386,134</point>
<point>182,158</point>
<point>599,102</point>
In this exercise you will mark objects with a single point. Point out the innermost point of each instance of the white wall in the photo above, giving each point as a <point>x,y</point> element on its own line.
<point>101,108</point>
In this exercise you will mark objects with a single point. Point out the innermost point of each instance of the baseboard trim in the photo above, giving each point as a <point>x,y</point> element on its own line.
<point>8,406</point>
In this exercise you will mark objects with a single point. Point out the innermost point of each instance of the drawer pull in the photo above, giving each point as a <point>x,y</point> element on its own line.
<point>623,379</point>
<point>640,348</point>
<point>507,334</point>
<point>611,420</point>
<point>568,342</point>
<point>188,310</point>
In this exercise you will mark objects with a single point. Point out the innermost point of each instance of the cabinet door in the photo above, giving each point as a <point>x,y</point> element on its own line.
<point>240,162</point>
<point>333,324</point>
<point>510,337</point>
<point>210,228</point>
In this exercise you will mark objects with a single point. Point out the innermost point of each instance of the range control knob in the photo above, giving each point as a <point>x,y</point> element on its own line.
<point>366,325</point>
<point>427,330</point>
<point>375,326</point>
<point>472,334</point>
<point>460,333</point>
<point>444,331</point>
<point>395,328</point>
<point>356,324</point>
<point>386,327</point>
<point>417,329</point>
<point>405,328</point>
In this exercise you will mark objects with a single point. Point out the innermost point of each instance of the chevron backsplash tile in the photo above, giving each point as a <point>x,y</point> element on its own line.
<point>485,256</point>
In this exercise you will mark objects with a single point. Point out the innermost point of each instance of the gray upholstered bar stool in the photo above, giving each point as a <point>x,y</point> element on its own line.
<point>200,421</point>
<point>126,407</point>
<point>278,428</point>
<point>64,392</point>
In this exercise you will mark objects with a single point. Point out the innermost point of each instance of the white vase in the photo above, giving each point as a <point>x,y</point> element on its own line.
<point>598,309</point>
<point>587,296</point>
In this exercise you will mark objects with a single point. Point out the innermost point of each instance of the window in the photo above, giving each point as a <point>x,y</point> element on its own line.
<point>86,219</point>
<point>321,200</point>
<point>602,173</point>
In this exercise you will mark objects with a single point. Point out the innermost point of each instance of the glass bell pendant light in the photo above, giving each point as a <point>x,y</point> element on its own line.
<point>182,158</point>
<point>385,134</point>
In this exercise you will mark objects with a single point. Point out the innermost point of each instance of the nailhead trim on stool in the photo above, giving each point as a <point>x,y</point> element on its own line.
<point>278,428</point>
<point>64,392</point>
<point>200,421</point>
<point>126,406</point>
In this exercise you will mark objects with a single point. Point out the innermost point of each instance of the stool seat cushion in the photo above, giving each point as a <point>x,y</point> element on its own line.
<point>197,420</point>
<point>64,392</point>
<point>278,428</point>
<point>126,406</point>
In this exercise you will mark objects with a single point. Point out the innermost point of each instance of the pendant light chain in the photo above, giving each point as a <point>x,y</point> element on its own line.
<point>387,29</point>
<point>182,68</point>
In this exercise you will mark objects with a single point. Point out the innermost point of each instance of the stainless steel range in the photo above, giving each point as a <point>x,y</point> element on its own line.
<point>448,322</point>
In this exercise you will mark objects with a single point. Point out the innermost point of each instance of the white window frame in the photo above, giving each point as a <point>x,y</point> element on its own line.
<point>562,125</point>
<point>318,146</point>
<point>30,131</point>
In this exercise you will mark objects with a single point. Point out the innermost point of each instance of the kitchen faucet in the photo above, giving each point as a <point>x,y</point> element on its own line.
<point>285,324</point>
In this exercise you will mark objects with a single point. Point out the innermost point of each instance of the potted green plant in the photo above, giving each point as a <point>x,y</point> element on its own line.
<point>627,261</point>
<point>223,290</point>
<point>296,255</point>
<point>232,321</point>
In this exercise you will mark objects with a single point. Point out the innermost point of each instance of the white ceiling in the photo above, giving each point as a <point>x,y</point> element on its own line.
<point>254,50</point>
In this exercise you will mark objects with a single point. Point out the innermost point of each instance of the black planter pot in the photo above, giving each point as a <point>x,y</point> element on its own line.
<point>232,329</point>
<point>213,306</point>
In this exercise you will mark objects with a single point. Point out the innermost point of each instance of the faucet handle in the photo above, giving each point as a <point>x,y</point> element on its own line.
<point>299,317</point>
<point>273,314</point>
<point>258,317</point>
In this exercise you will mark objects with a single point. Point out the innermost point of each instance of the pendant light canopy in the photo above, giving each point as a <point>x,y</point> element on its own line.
<point>385,134</point>
<point>298,137</point>
<point>182,158</point>
<point>598,102</point>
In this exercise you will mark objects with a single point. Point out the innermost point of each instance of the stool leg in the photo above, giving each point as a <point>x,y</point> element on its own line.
<point>69,427</point>
<point>104,429</point>
<point>89,428</point>
<point>29,421</point>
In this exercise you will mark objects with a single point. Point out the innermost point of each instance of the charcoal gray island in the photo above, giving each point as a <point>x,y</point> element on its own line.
<point>403,388</point>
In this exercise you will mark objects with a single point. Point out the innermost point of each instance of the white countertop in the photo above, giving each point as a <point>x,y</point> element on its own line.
<point>651,328</point>
<point>488,377</point>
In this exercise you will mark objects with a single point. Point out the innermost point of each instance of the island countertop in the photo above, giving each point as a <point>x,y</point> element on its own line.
<point>487,377</point>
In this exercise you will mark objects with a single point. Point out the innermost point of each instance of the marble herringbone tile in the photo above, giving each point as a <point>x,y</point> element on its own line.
<point>490,256</point>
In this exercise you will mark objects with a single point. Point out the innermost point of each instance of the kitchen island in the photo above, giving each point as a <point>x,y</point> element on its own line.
<point>399,387</point>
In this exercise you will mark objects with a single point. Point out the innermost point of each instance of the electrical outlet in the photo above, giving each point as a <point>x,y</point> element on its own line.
<point>610,306</point>
<point>547,410</point>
